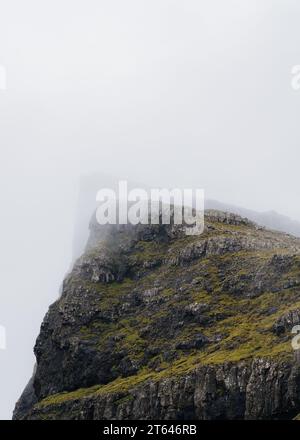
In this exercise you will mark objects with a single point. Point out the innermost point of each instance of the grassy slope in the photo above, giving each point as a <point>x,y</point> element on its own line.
<point>245,323</point>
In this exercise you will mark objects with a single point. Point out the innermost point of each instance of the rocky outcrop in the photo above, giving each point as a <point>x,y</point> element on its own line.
<point>287,321</point>
<point>152,323</point>
<point>255,390</point>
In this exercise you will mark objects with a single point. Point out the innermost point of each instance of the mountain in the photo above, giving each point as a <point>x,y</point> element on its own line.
<point>156,324</point>
<point>91,183</point>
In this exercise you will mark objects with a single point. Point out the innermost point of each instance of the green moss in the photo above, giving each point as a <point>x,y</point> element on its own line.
<point>123,400</point>
<point>87,333</point>
<point>57,399</point>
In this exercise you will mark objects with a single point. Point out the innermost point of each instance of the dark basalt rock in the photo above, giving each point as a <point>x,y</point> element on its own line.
<point>287,321</point>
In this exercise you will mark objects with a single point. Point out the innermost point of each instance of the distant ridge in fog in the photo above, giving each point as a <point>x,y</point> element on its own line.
<point>269,219</point>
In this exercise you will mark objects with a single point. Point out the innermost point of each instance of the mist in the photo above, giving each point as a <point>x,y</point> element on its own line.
<point>164,93</point>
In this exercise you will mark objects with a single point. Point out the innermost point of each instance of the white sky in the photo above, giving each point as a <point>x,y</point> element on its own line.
<point>166,92</point>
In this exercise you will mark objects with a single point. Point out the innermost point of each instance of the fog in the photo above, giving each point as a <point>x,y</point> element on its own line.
<point>163,92</point>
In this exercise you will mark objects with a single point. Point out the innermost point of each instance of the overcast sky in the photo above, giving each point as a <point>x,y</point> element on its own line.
<point>166,92</point>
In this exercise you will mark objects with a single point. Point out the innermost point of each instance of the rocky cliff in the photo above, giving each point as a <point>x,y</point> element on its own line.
<point>155,324</point>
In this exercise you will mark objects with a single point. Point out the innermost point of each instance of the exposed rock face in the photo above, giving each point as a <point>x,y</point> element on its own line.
<point>287,321</point>
<point>257,390</point>
<point>152,323</point>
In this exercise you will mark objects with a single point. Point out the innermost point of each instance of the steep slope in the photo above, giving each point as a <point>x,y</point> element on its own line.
<point>152,323</point>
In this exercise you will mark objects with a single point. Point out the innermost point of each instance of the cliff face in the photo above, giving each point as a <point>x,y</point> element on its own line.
<point>152,323</point>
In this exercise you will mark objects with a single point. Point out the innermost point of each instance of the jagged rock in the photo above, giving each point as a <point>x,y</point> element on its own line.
<point>287,321</point>
<point>198,341</point>
<point>196,308</point>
